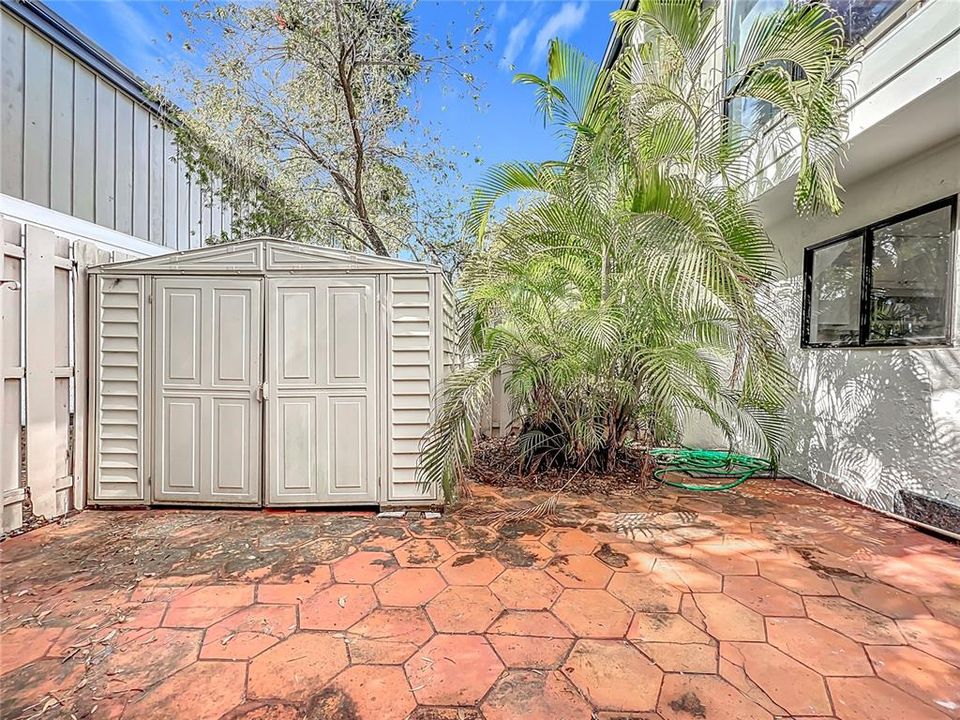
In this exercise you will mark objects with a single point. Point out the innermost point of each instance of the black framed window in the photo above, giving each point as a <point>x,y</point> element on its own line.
<point>889,283</point>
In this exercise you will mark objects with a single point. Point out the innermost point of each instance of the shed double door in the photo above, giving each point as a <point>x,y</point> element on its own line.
<point>277,408</point>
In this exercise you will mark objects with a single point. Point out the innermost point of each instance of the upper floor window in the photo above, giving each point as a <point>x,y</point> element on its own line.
<point>859,17</point>
<point>889,283</point>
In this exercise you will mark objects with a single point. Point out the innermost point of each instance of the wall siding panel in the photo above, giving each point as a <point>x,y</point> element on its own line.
<point>141,172</point>
<point>123,149</point>
<point>84,142</point>
<point>104,167</point>
<point>76,142</point>
<point>156,182</point>
<point>37,115</point>
<point>11,115</point>
<point>61,136</point>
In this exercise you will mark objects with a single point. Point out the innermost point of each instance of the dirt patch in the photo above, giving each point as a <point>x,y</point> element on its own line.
<point>690,704</point>
<point>516,529</point>
<point>610,557</point>
<point>497,463</point>
<point>809,555</point>
<point>331,704</point>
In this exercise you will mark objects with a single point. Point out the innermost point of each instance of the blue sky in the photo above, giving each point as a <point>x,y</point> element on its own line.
<point>505,127</point>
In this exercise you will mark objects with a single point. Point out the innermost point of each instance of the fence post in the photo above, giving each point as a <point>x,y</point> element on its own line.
<point>11,374</point>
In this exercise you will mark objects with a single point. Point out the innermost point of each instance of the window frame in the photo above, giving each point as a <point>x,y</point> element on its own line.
<point>866,236</point>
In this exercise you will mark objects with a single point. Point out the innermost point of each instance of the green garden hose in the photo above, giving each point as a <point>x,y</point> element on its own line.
<point>706,463</point>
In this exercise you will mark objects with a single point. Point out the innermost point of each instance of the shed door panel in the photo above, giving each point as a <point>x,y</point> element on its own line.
<point>207,364</point>
<point>322,431</point>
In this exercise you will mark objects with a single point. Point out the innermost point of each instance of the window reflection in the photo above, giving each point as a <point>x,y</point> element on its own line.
<point>908,294</point>
<point>835,293</point>
<point>859,17</point>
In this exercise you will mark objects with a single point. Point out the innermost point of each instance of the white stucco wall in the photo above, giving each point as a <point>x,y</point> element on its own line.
<point>869,422</point>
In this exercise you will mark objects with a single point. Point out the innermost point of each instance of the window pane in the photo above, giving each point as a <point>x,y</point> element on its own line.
<point>748,112</point>
<point>911,261</point>
<point>861,16</point>
<point>835,293</point>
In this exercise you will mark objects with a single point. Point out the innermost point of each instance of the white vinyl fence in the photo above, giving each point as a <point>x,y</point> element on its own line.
<point>43,376</point>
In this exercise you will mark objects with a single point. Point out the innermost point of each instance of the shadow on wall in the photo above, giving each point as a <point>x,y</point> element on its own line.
<point>869,423</point>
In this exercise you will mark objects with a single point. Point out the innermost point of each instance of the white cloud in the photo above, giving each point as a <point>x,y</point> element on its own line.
<point>562,24</point>
<point>502,10</point>
<point>515,42</point>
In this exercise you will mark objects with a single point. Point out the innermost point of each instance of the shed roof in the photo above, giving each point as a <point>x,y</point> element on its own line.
<point>262,255</point>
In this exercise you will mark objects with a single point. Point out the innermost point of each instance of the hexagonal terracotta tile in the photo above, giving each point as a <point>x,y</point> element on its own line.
<point>940,639</point>
<point>792,686</point>
<point>681,657</point>
<point>535,696</point>
<point>22,646</point>
<point>369,691</point>
<point>569,541</point>
<point>471,569</point>
<point>726,619</point>
<point>881,598</point>
<point>593,613</point>
<point>464,609</point>
<point>24,691</point>
<point>410,587</point>
<point>525,589</point>
<point>579,571</point>
<point>614,675</point>
<point>826,651</point>
<point>337,607</point>
<point>248,632</point>
<point>152,655</point>
<point>941,607</point>
<point>644,593</point>
<point>665,627</point>
<point>868,698</point>
<point>683,697</point>
<point>453,670</point>
<point>523,651</point>
<point>203,606</point>
<point>295,668</point>
<point>531,623</point>
<point>388,636</point>
<point>796,577</point>
<point>723,559</point>
<point>364,567</point>
<point>203,690</point>
<point>763,596</point>
<point>854,621</point>
<point>423,552</point>
<point>687,576</point>
<point>930,680</point>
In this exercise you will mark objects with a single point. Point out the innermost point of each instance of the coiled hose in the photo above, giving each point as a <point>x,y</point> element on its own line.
<point>704,464</point>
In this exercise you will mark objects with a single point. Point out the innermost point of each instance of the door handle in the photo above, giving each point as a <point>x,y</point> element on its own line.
<point>262,393</point>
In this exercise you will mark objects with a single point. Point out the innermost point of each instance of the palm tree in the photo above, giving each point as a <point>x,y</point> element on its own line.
<point>623,291</point>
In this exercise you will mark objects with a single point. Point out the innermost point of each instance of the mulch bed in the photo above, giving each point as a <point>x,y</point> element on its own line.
<point>497,462</point>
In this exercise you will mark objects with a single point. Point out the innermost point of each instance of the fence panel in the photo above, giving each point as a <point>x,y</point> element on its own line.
<point>43,350</point>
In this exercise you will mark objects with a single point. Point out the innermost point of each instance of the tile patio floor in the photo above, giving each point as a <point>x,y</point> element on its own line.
<point>770,601</point>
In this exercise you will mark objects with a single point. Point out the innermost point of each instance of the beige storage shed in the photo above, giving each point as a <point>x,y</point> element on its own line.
<point>264,373</point>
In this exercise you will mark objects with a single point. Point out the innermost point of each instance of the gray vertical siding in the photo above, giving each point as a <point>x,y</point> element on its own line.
<point>74,141</point>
